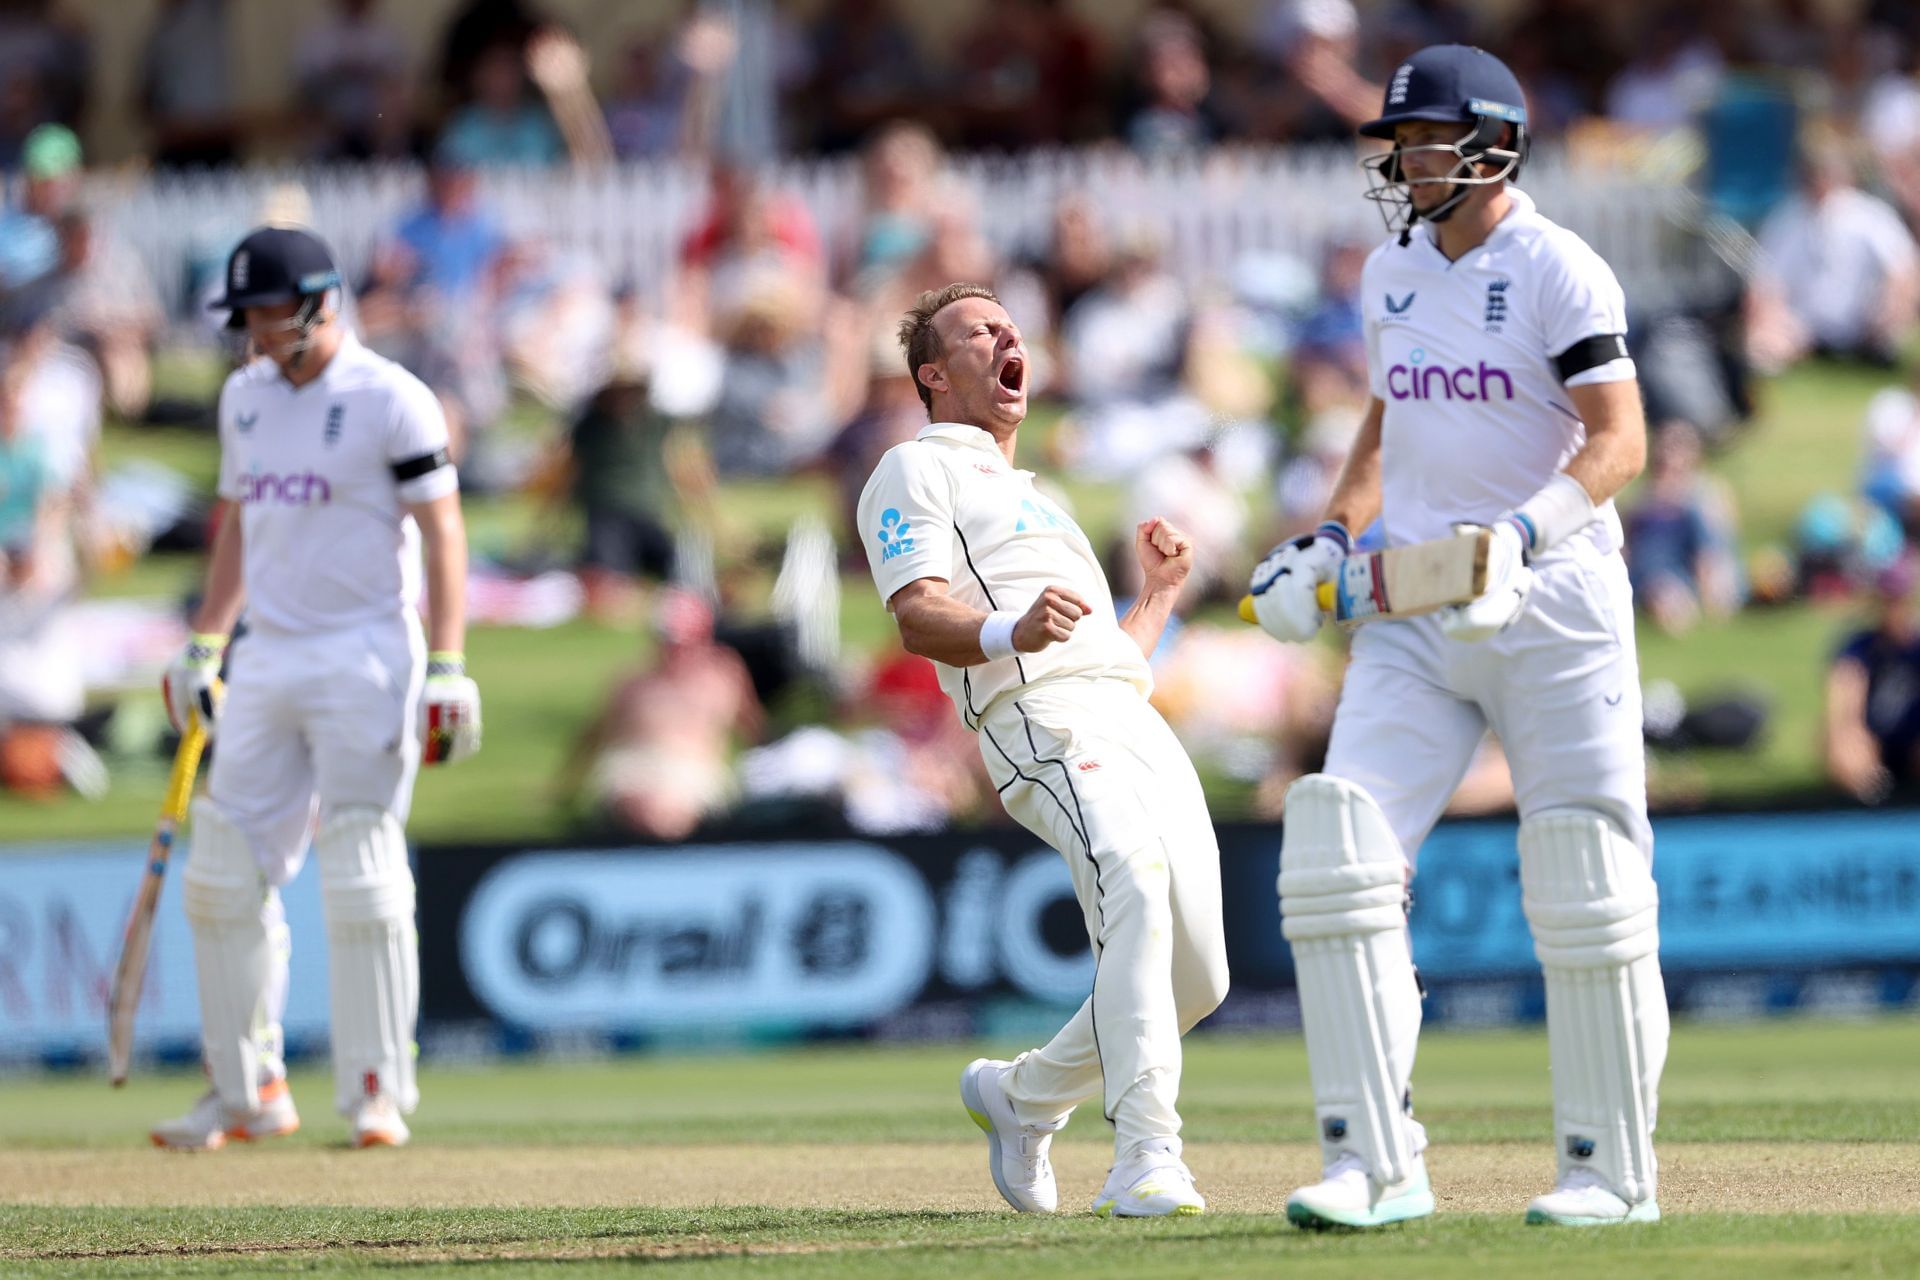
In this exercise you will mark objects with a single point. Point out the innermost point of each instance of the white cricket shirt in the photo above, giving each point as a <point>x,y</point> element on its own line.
<point>946,505</point>
<point>1463,356</point>
<point>317,475</point>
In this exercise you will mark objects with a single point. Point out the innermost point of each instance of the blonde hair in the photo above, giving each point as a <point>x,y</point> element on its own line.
<point>917,336</point>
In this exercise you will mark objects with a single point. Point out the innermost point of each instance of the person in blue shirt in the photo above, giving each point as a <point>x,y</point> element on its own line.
<point>502,126</point>
<point>29,241</point>
<point>1873,694</point>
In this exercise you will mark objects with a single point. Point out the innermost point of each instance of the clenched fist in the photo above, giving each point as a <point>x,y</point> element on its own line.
<point>1048,620</point>
<point>1166,554</point>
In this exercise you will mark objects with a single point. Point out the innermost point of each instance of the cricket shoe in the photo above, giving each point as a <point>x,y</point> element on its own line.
<point>1153,1183</point>
<point>1348,1197</point>
<point>211,1123</point>
<point>376,1122</point>
<point>1583,1199</point>
<point>1016,1153</point>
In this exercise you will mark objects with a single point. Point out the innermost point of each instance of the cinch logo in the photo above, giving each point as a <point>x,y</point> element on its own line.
<point>304,490</point>
<point>1418,380</point>
<point>896,535</point>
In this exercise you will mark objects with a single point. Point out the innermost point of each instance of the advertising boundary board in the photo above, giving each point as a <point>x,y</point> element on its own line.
<point>774,934</point>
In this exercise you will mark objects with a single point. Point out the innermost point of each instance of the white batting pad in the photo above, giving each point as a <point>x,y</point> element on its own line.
<point>1593,907</point>
<point>1343,909</point>
<point>373,954</point>
<point>240,955</point>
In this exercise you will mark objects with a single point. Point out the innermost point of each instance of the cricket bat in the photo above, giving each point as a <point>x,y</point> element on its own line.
<point>1403,582</point>
<point>130,974</point>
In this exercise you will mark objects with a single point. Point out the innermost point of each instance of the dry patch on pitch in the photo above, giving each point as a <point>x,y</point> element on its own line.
<point>1740,1177</point>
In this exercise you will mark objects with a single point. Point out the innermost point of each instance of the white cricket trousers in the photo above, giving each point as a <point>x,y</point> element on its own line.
<point>314,721</point>
<point>1561,688</point>
<point>1091,768</point>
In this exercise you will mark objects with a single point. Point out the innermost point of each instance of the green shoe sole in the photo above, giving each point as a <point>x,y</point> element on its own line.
<point>1645,1211</point>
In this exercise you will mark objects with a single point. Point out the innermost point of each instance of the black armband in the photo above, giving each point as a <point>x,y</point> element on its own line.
<point>414,468</point>
<point>1590,353</point>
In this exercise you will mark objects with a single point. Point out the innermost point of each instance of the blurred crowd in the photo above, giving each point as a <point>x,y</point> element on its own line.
<point>618,416</point>
<point>503,83</point>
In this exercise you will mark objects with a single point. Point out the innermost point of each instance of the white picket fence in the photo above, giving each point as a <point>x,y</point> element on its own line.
<point>1208,212</point>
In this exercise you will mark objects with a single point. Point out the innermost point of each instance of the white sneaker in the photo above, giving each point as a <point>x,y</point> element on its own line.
<point>1349,1197</point>
<point>1151,1184</point>
<point>1016,1153</point>
<point>376,1122</point>
<point>210,1123</point>
<point>1583,1199</point>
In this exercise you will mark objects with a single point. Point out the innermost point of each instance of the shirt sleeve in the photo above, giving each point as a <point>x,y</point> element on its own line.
<point>906,520</point>
<point>229,484</point>
<point>1583,313</point>
<point>417,444</point>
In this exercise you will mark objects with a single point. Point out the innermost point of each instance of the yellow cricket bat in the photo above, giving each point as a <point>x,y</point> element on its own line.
<point>130,974</point>
<point>1403,582</point>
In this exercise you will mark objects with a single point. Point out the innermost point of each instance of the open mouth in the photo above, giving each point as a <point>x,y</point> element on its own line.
<point>1013,375</point>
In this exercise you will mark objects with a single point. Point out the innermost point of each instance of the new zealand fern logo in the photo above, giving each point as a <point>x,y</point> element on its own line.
<point>896,535</point>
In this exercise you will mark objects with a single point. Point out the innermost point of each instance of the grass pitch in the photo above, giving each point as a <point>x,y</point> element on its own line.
<point>1787,1149</point>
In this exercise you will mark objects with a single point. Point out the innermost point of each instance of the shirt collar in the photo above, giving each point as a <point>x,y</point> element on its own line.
<point>1523,210</point>
<point>345,354</point>
<point>962,434</point>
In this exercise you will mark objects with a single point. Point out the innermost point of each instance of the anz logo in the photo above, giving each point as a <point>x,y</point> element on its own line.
<point>895,535</point>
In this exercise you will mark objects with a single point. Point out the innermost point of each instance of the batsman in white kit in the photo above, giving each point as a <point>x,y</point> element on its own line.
<point>996,584</point>
<point>1503,399</point>
<point>334,471</point>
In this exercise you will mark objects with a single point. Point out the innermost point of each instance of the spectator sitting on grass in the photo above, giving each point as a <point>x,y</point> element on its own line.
<point>657,761</point>
<point>41,682</point>
<point>1680,536</point>
<point>634,474</point>
<point>1890,467</point>
<point>105,304</point>
<point>432,294</point>
<point>1841,546</point>
<point>1872,735</point>
<point>1839,271</point>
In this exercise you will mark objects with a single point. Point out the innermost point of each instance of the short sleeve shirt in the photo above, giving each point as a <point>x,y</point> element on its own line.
<point>947,505</point>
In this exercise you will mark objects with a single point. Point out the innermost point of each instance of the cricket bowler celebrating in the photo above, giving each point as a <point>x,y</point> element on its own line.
<point>334,469</point>
<point>997,585</point>
<point>1502,398</point>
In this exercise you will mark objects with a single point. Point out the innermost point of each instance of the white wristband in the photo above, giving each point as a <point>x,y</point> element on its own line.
<point>1561,509</point>
<point>996,635</point>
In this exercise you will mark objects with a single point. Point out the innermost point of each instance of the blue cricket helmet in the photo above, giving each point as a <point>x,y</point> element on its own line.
<point>274,265</point>
<point>1448,83</point>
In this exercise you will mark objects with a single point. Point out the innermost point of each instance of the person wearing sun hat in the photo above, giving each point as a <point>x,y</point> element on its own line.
<point>50,160</point>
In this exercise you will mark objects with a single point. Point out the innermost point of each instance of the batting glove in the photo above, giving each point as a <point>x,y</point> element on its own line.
<point>1284,584</point>
<point>191,685</point>
<point>1509,581</point>
<point>450,713</point>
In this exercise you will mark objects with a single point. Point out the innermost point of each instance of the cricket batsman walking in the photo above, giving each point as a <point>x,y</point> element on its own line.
<point>333,471</point>
<point>995,583</point>
<point>1503,397</point>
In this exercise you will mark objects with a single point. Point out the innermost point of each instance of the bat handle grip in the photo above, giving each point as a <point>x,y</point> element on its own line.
<point>1323,595</point>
